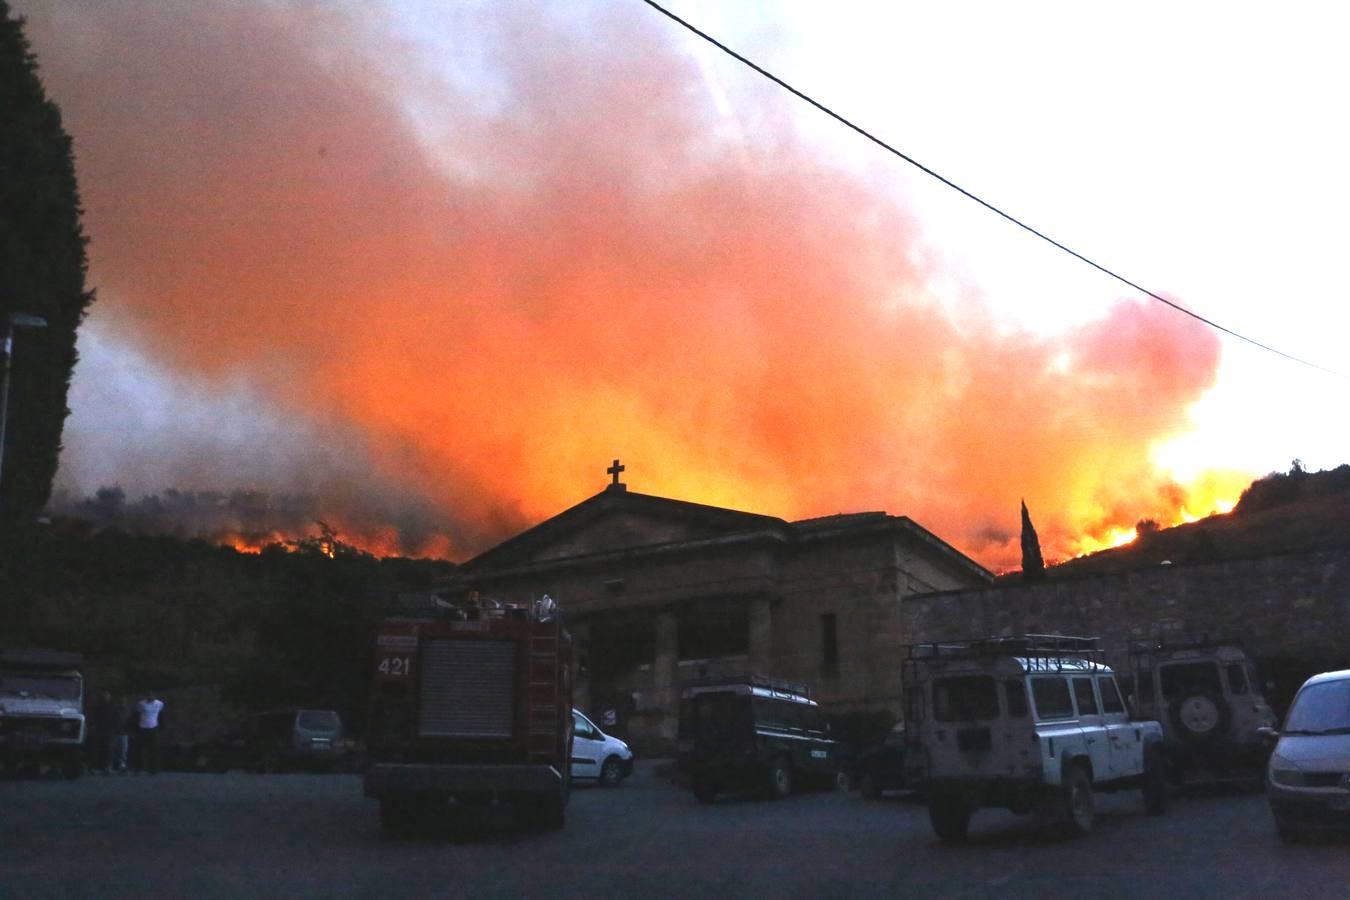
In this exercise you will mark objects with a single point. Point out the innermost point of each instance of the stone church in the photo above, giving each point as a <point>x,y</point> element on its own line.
<point>658,591</point>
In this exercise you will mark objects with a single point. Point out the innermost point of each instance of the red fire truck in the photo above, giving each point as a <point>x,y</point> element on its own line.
<point>472,701</point>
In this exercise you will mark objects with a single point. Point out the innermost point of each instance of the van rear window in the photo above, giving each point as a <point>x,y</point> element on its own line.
<point>319,720</point>
<point>965,698</point>
<point>1179,679</point>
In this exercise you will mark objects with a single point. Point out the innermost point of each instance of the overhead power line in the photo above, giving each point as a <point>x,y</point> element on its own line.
<point>986,204</point>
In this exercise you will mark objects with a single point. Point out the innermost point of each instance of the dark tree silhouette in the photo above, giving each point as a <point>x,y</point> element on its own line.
<point>1033,566</point>
<point>42,272</point>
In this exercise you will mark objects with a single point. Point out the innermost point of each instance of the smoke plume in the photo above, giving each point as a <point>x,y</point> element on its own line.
<point>486,276</point>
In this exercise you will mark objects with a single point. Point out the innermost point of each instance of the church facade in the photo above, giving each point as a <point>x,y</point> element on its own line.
<point>657,592</point>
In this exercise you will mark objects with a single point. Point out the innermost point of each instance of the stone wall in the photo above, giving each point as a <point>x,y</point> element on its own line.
<point>860,581</point>
<point>1291,611</point>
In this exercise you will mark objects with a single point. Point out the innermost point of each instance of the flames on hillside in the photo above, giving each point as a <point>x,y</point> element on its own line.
<point>251,521</point>
<point>380,543</point>
<point>574,248</point>
<point>1214,495</point>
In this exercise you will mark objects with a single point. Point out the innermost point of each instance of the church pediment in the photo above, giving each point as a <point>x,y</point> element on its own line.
<point>619,520</point>
<point>618,530</point>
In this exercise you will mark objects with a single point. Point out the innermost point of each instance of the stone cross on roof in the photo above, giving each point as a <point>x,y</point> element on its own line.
<point>614,470</point>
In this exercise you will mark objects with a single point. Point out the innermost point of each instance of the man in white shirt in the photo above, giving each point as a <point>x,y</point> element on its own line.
<point>147,734</point>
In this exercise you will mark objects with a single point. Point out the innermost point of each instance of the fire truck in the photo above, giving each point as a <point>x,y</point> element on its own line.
<point>471,703</point>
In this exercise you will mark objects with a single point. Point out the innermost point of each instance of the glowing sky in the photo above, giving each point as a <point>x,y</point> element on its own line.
<point>439,263</point>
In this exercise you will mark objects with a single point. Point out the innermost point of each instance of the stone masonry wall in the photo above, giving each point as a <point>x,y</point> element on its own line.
<point>1293,608</point>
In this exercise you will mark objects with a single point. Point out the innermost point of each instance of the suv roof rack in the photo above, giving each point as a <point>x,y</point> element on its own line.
<point>1195,642</point>
<point>1050,647</point>
<point>33,658</point>
<point>752,679</point>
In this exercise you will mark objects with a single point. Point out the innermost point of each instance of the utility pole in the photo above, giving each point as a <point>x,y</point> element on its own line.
<point>16,320</point>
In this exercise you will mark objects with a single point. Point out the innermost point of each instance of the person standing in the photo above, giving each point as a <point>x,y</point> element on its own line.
<point>118,724</point>
<point>147,734</point>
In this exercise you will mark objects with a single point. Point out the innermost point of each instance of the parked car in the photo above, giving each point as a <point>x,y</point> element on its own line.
<point>596,755</point>
<point>1032,723</point>
<point>753,733</point>
<point>1308,776</point>
<point>881,768</point>
<point>279,740</point>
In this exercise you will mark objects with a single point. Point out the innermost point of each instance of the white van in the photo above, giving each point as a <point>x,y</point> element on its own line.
<point>596,755</point>
<point>1308,781</point>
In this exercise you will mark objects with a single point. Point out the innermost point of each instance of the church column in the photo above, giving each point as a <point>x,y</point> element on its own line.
<point>760,637</point>
<point>665,670</point>
<point>581,662</point>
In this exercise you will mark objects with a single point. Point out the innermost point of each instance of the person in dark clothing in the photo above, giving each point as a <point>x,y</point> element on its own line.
<point>116,748</point>
<point>97,728</point>
<point>134,751</point>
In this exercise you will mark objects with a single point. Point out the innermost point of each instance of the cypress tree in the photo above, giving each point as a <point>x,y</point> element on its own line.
<point>42,272</point>
<point>1033,566</point>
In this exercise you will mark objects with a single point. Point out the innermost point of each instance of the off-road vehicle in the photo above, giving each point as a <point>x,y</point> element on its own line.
<point>1208,699</point>
<point>1034,723</point>
<point>753,733</point>
<point>42,710</point>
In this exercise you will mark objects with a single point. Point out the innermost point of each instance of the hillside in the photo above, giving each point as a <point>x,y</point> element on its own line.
<point>281,626</point>
<point>1281,513</point>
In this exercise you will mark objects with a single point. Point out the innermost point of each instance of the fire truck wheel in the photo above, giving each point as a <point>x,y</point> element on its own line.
<point>541,811</point>
<point>780,779</point>
<point>611,773</point>
<point>554,812</point>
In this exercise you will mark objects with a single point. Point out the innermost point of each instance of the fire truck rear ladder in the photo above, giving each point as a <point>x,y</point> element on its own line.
<point>543,696</point>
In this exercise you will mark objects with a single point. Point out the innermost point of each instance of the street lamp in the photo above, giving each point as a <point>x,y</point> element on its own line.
<point>16,320</point>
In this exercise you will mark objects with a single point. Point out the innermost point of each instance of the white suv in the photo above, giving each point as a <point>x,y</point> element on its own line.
<point>1032,723</point>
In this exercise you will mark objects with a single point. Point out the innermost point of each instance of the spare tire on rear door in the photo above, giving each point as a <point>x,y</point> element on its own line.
<point>1200,715</point>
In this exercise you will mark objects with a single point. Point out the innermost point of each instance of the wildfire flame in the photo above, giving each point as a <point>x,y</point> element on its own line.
<point>380,543</point>
<point>1213,494</point>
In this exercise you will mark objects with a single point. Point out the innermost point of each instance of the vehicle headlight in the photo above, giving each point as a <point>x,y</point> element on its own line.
<point>1284,772</point>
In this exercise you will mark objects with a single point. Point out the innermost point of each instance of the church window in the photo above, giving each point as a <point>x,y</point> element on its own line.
<point>829,640</point>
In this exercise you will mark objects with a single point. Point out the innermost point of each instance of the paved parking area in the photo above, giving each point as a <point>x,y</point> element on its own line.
<point>316,835</point>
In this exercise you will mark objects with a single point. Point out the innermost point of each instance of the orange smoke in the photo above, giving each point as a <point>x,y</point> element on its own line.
<point>569,264</point>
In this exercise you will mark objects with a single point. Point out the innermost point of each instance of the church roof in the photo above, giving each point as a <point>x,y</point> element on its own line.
<point>617,519</point>
<point>694,521</point>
